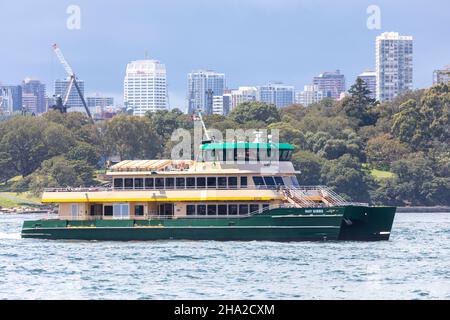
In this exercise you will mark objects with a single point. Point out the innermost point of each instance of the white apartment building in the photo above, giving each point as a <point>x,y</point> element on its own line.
<point>222,104</point>
<point>370,79</point>
<point>243,94</point>
<point>145,87</point>
<point>310,94</point>
<point>203,85</point>
<point>394,65</point>
<point>279,94</point>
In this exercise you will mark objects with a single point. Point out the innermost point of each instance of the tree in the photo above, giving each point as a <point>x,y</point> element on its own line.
<point>309,165</point>
<point>359,105</point>
<point>165,122</point>
<point>346,176</point>
<point>23,145</point>
<point>61,172</point>
<point>132,137</point>
<point>85,152</point>
<point>259,111</point>
<point>382,150</point>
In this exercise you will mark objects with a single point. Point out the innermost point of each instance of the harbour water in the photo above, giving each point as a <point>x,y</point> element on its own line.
<point>414,264</point>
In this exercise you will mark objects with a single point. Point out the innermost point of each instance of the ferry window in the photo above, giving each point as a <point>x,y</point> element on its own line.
<point>138,183</point>
<point>96,210</point>
<point>254,208</point>
<point>265,206</point>
<point>222,209</point>
<point>129,183</point>
<point>232,209</point>
<point>269,181</point>
<point>243,209</point>
<point>190,182</point>
<point>201,210</point>
<point>170,183</point>
<point>232,182</point>
<point>74,210</point>
<point>283,155</point>
<point>294,181</point>
<point>108,210</point>
<point>159,183</point>
<point>190,210</point>
<point>180,183</point>
<point>118,183</point>
<point>212,182</point>
<point>139,210</point>
<point>243,182</point>
<point>201,182</point>
<point>148,183</point>
<point>258,181</point>
<point>121,211</point>
<point>279,181</point>
<point>222,182</point>
<point>212,209</point>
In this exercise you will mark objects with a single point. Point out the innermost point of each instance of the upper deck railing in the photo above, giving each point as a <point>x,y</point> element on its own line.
<point>301,196</point>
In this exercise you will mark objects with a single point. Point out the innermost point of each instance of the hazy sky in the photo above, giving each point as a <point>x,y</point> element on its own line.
<point>251,41</point>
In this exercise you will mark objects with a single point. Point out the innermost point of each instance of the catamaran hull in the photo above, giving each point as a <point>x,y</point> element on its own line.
<point>284,224</point>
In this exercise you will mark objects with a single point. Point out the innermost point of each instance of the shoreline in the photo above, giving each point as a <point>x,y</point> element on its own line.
<point>423,209</point>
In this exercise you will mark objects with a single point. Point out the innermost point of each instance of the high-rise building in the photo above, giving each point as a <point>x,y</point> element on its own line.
<point>276,93</point>
<point>331,83</point>
<point>15,93</point>
<point>6,101</point>
<point>36,88</point>
<point>99,101</point>
<point>203,85</point>
<point>442,75</point>
<point>30,102</point>
<point>222,104</point>
<point>145,86</point>
<point>243,94</point>
<point>74,103</point>
<point>394,65</point>
<point>370,79</point>
<point>310,94</point>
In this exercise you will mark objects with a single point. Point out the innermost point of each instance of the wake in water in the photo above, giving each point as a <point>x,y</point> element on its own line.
<point>4,235</point>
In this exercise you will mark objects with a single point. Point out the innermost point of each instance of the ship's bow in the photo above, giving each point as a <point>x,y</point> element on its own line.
<point>367,223</point>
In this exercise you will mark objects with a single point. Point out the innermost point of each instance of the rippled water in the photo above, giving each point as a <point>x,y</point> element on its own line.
<point>414,264</point>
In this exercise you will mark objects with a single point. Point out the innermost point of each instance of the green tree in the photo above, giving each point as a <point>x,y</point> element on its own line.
<point>251,111</point>
<point>346,176</point>
<point>359,105</point>
<point>61,172</point>
<point>309,165</point>
<point>132,137</point>
<point>382,150</point>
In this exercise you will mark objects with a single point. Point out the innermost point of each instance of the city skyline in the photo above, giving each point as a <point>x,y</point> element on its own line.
<point>246,61</point>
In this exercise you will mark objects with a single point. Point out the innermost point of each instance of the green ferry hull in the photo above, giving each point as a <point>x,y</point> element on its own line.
<point>284,224</point>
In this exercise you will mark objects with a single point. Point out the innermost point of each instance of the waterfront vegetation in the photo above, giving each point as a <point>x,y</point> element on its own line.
<point>395,153</point>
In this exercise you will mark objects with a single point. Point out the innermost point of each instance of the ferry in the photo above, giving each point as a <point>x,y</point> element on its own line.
<point>228,193</point>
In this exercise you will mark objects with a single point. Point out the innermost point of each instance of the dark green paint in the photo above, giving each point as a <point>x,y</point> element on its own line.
<point>284,224</point>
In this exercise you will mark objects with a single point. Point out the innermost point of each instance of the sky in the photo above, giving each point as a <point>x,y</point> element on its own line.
<point>253,42</point>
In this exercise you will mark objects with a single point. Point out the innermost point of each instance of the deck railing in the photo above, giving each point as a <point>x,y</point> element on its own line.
<point>298,196</point>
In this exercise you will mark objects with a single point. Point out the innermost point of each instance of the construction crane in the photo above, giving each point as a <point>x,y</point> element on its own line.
<point>61,105</point>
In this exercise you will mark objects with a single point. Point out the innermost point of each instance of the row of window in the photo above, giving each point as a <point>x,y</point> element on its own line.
<point>180,183</point>
<point>246,155</point>
<point>122,210</point>
<point>199,182</point>
<point>223,209</point>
